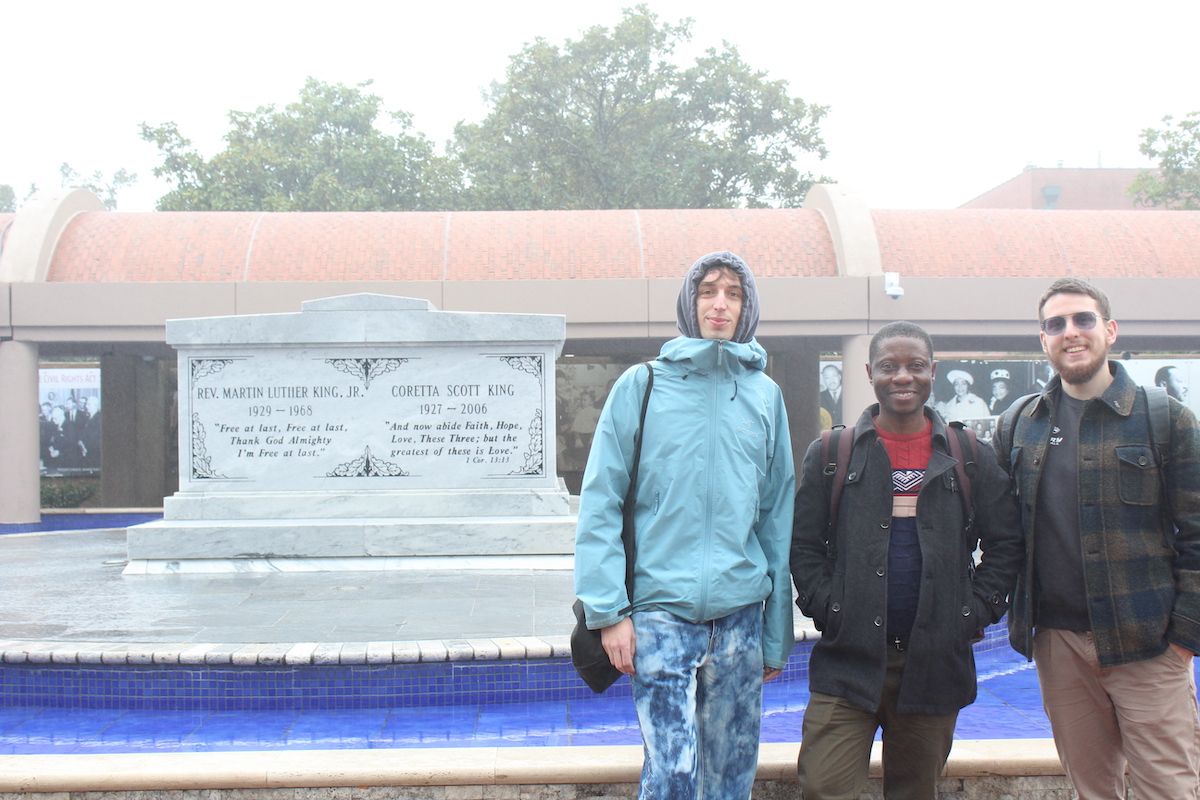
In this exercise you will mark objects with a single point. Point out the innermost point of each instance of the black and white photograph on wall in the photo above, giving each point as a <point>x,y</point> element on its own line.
<point>831,394</point>
<point>1176,375</point>
<point>582,386</point>
<point>69,420</point>
<point>976,392</point>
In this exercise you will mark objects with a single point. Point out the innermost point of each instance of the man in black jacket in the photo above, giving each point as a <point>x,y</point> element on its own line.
<point>893,585</point>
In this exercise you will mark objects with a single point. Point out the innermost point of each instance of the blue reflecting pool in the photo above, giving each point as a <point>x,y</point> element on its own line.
<point>50,709</point>
<point>1008,707</point>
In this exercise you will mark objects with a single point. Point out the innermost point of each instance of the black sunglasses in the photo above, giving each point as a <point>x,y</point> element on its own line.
<point>1084,321</point>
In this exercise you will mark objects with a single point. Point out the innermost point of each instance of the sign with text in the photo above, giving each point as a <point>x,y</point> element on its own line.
<point>292,419</point>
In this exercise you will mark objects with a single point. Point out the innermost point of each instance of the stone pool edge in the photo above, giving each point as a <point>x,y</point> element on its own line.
<point>513,648</point>
<point>251,654</point>
<point>463,767</point>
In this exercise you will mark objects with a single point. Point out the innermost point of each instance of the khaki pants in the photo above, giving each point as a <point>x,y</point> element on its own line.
<point>835,751</point>
<point>1142,713</point>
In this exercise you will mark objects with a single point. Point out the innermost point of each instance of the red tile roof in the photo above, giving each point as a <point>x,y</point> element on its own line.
<point>1004,243</point>
<point>218,246</point>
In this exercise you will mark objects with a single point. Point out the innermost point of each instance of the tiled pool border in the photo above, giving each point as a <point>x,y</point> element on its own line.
<point>239,677</point>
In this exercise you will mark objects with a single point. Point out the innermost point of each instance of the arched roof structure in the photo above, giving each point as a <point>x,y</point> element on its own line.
<point>76,280</point>
<point>1002,243</point>
<point>73,272</point>
<point>605,245</point>
<point>504,245</point>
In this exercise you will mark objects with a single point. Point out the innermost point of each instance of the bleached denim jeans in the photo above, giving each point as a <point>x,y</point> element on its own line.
<point>698,691</point>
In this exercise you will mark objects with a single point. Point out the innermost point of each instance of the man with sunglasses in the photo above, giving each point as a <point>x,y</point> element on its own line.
<point>1108,604</point>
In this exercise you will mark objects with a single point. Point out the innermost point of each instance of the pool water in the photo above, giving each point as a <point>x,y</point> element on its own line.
<point>52,521</point>
<point>1009,706</point>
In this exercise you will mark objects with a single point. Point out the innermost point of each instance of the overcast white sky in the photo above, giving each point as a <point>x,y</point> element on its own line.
<point>932,103</point>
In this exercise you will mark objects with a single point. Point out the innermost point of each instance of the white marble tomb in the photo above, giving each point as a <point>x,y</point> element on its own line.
<point>364,432</point>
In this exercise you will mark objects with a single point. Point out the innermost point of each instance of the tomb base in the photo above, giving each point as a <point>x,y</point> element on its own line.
<point>364,432</point>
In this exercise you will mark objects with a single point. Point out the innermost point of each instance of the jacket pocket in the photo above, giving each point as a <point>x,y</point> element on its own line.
<point>1137,475</point>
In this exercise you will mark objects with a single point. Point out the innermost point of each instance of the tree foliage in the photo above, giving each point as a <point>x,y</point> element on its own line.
<point>321,153</point>
<point>106,190</point>
<point>1176,182</point>
<point>609,121</point>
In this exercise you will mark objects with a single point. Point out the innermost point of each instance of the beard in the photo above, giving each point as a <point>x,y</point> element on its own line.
<point>1076,374</point>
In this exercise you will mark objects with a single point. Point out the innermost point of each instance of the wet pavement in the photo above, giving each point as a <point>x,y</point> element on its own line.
<point>68,587</point>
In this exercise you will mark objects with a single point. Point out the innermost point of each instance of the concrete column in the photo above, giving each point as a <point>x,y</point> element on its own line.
<point>857,393</point>
<point>135,434</point>
<point>20,479</point>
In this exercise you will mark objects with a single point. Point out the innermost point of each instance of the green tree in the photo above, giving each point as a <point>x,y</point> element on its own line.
<point>8,196</point>
<point>609,121</point>
<point>1176,181</point>
<point>321,153</point>
<point>106,190</point>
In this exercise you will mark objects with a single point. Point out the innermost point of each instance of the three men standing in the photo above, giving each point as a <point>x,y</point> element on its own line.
<point>1108,605</point>
<point>892,583</point>
<point>1107,602</point>
<point>709,614</point>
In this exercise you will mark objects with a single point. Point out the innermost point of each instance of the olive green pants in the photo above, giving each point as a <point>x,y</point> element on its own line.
<point>835,751</point>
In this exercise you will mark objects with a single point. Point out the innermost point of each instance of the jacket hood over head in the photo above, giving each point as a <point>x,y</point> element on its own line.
<point>685,308</point>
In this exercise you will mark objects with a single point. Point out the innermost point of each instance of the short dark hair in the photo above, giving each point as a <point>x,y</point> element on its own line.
<point>896,330</point>
<point>722,267</point>
<point>1075,286</point>
<point>1163,375</point>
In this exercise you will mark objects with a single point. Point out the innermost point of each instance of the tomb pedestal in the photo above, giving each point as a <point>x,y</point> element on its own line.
<point>364,432</point>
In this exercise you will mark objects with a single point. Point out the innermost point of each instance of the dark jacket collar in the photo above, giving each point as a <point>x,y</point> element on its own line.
<point>1119,396</point>
<point>866,423</point>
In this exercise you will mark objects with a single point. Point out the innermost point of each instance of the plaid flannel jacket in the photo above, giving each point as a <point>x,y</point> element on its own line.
<point>1142,573</point>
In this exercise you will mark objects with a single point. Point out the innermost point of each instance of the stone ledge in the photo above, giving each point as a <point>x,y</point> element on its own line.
<point>482,766</point>
<point>298,654</point>
<point>275,655</point>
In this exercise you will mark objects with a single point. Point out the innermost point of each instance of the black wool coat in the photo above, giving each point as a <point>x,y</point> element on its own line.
<point>844,588</point>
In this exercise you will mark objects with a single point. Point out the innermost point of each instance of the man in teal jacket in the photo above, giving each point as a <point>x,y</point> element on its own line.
<point>709,617</point>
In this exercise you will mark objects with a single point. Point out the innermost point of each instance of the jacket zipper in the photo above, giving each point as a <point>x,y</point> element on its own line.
<point>708,497</point>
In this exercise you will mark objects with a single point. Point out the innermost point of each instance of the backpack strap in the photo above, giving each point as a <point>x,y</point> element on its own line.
<point>835,454</point>
<point>1158,414</point>
<point>1013,413</point>
<point>627,531</point>
<point>966,466</point>
<point>1158,418</point>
